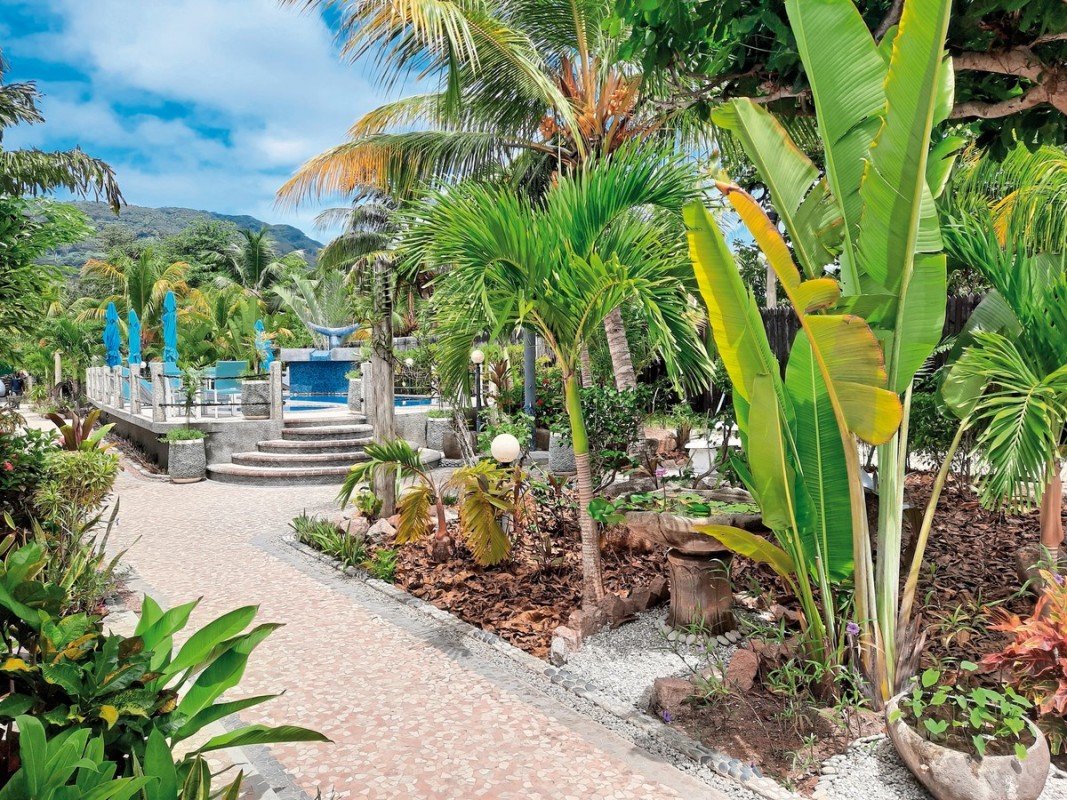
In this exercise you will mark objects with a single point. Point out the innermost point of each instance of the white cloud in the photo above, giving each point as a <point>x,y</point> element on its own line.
<point>207,103</point>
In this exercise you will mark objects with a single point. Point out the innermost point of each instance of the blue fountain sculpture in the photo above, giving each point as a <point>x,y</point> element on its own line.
<point>335,335</point>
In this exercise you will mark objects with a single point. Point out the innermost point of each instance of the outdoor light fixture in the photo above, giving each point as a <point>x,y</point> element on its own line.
<point>505,448</point>
<point>477,357</point>
<point>409,362</point>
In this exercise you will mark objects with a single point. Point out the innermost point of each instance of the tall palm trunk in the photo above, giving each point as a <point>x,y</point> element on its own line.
<point>1051,515</point>
<point>619,348</point>
<point>587,368</point>
<point>592,572</point>
<point>381,411</point>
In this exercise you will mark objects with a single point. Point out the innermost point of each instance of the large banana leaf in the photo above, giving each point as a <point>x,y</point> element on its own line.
<point>732,311</point>
<point>755,547</point>
<point>843,346</point>
<point>846,72</point>
<point>900,239</point>
<point>801,198</point>
<point>821,457</point>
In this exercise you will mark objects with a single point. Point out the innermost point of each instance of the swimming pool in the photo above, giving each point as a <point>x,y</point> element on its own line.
<point>330,402</point>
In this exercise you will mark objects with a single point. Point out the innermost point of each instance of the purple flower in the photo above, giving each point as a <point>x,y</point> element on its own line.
<point>852,629</point>
<point>660,472</point>
<point>1058,578</point>
<point>666,716</point>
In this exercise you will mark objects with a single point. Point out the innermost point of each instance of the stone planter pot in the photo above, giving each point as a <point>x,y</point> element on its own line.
<point>951,775</point>
<point>560,456</point>
<point>437,428</point>
<point>187,461</point>
<point>255,399</point>
<point>698,565</point>
<point>355,395</point>
<point>450,444</point>
<point>541,438</point>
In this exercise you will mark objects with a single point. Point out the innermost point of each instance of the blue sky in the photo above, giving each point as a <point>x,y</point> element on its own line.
<point>200,103</point>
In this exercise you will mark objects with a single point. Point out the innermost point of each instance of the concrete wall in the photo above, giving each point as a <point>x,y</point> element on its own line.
<point>224,436</point>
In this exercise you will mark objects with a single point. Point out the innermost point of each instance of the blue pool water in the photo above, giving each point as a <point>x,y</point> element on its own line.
<point>330,402</point>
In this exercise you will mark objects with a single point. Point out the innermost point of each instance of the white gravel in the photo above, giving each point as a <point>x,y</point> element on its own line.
<point>625,661</point>
<point>872,771</point>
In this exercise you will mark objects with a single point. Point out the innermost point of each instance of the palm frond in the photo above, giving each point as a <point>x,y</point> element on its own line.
<point>35,172</point>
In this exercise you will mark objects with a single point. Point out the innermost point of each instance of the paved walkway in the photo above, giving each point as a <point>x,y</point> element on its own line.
<point>411,714</point>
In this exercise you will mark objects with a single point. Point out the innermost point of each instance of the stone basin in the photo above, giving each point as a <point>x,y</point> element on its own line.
<point>698,565</point>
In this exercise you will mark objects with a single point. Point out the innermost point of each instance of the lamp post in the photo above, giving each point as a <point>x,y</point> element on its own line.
<point>505,448</point>
<point>477,358</point>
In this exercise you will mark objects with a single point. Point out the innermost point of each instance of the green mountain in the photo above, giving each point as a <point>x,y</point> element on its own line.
<point>158,223</point>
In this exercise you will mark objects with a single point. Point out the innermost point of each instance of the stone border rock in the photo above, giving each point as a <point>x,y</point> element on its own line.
<point>748,776</point>
<point>828,771</point>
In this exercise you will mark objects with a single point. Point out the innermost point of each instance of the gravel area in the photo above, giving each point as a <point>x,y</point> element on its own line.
<point>625,661</point>
<point>871,770</point>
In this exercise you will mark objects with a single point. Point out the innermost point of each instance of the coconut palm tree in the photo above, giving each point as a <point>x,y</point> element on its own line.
<point>598,239</point>
<point>251,263</point>
<point>533,87</point>
<point>34,172</point>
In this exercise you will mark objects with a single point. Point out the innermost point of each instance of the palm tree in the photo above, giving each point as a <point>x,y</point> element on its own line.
<point>77,340</point>
<point>251,263</point>
<point>140,284</point>
<point>598,240</point>
<point>1011,379</point>
<point>32,171</point>
<point>533,87</point>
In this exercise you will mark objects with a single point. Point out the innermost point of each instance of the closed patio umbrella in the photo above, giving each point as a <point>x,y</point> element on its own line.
<point>134,328</point>
<point>112,340</point>
<point>170,329</point>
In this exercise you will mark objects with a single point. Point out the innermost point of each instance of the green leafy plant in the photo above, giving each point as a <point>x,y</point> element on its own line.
<point>864,334</point>
<point>76,559</point>
<point>975,720</point>
<point>23,464</point>
<point>368,503</point>
<point>347,548</point>
<point>76,482</point>
<point>489,494</point>
<point>415,503</point>
<point>518,424</point>
<point>66,671</point>
<point>182,435</point>
<point>78,434</point>
<point>383,564</point>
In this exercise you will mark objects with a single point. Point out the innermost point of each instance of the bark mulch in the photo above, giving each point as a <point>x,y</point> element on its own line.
<point>524,599</point>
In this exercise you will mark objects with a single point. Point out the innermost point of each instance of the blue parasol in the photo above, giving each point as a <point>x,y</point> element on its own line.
<point>112,341</point>
<point>170,329</point>
<point>134,328</point>
<point>263,347</point>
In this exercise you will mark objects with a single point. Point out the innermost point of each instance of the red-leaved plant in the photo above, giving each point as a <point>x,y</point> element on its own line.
<point>1036,658</point>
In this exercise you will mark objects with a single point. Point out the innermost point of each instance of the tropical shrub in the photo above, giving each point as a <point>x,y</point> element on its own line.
<point>383,565</point>
<point>368,503</point>
<point>76,560</point>
<point>75,481</point>
<point>78,434</point>
<point>348,549</point>
<point>864,333</point>
<point>23,457</point>
<point>1033,659</point>
<point>488,495</point>
<point>69,673</point>
<point>518,424</point>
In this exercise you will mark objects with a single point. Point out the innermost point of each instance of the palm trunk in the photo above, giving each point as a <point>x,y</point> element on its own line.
<point>592,573</point>
<point>381,411</point>
<point>1051,516</point>
<point>587,368</point>
<point>619,348</point>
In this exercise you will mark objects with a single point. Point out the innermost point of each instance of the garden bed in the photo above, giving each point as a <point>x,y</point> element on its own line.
<point>526,598</point>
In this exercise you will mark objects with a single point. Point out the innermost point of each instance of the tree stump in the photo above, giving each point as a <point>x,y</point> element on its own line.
<point>700,591</point>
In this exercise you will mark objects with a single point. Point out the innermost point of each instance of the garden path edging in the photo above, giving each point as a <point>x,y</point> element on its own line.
<point>682,746</point>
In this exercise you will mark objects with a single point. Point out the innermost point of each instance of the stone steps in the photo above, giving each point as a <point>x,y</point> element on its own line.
<point>310,452</point>
<point>319,433</point>
<point>288,460</point>
<point>276,476</point>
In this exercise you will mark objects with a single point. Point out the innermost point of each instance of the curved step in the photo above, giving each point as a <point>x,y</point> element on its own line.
<point>351,419</point>
<point>344,458</point>
<point>312,446</point>
<point>268,476</point>
<point>327,432</point>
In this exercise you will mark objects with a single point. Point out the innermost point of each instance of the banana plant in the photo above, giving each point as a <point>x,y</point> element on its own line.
<point>872,222</point>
